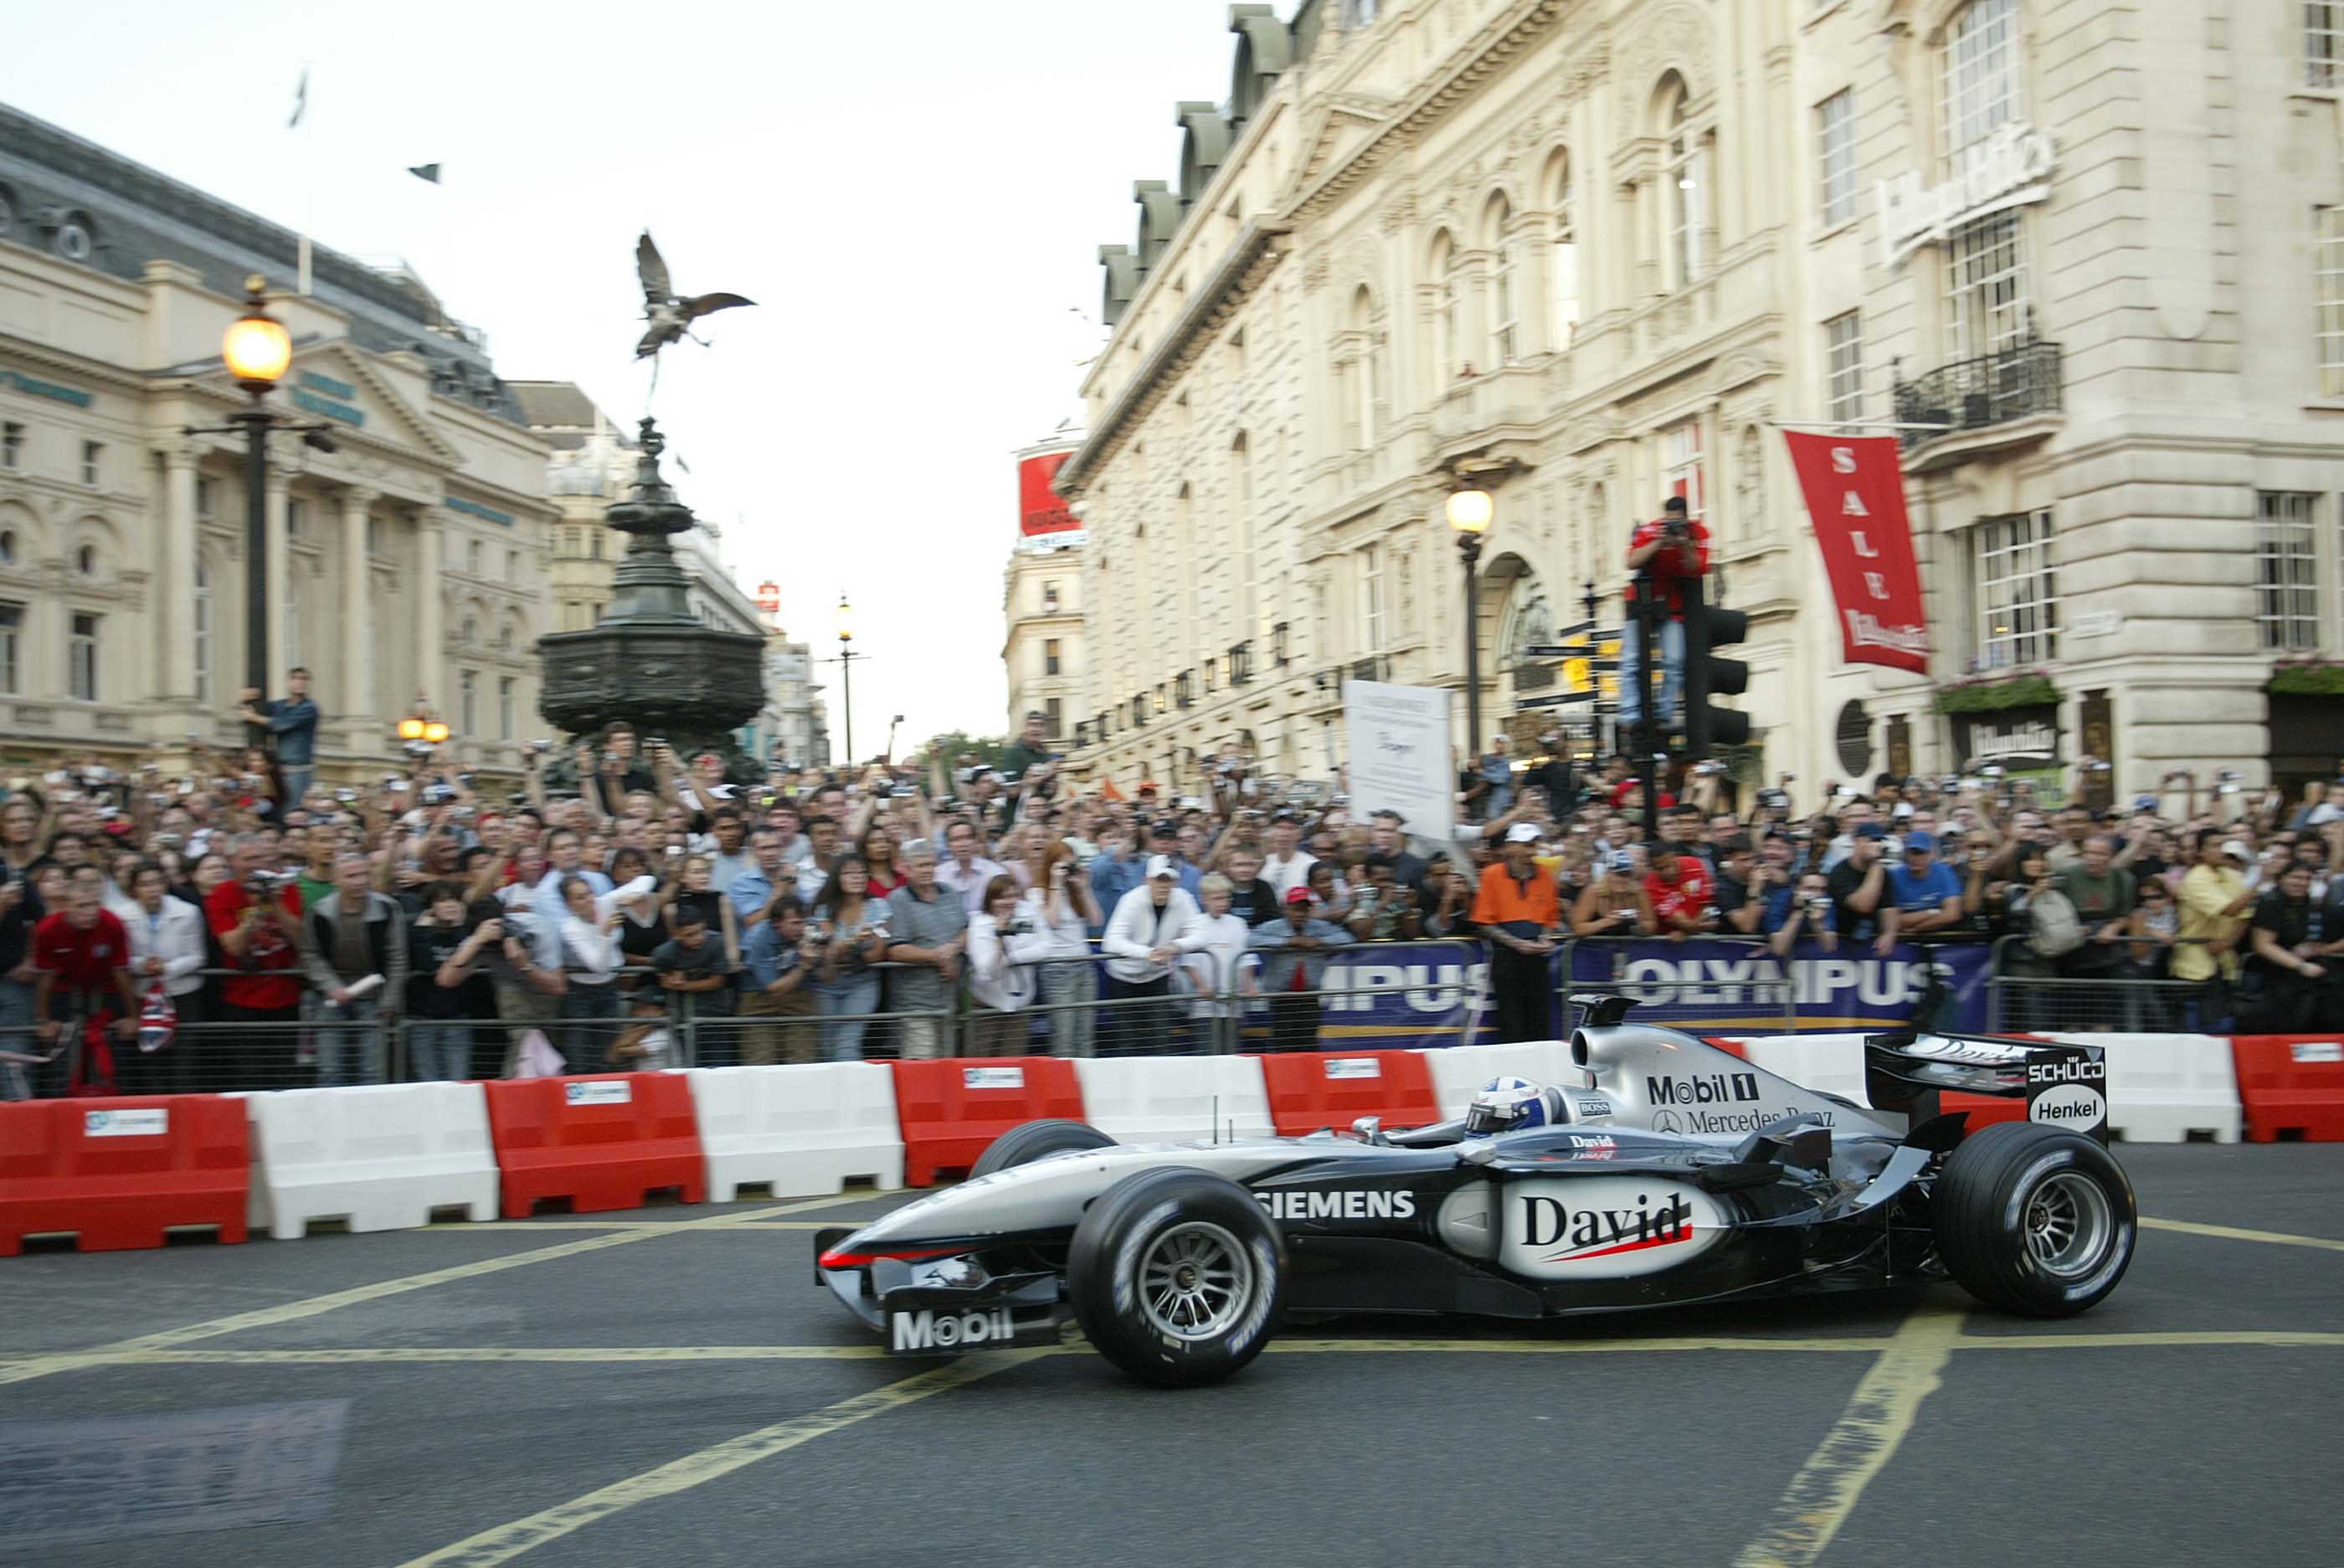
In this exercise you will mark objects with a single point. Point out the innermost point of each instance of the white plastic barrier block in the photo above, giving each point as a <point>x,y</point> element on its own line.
<point>2167,1089</point>
<point>805,1130</point>
<point>1168,1099</point>
<point>382,1158</point>
<point>1458,1071</point>
<point>1830,1064</point>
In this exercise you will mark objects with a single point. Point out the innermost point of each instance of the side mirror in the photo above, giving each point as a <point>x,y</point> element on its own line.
<point>1368,1130</point>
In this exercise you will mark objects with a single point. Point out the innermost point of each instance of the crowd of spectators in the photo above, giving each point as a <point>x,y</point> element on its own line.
<point>219,929</point>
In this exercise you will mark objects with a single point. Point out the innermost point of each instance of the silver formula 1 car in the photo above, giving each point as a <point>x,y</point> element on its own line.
<point>1673,1172</point>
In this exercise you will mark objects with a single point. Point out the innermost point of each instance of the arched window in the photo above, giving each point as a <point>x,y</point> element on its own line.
<point>86,561</point>
<point>7,547</point>
<point>1978,88</point>
<point>1505,276</point>
<point>1986,303</point>
<point>203,633</point>
<point>1563,303</point>
<point>1365,393</point>
<point>1688,186</point>
<point>468,633</point>
<point>1241,521</point>
<point>1443,273</point>
<point>505,639</point>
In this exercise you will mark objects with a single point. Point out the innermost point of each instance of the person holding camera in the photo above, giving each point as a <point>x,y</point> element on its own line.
<point>1003,948</point>
<point>256,914</point>
<point>1059,908</point>
<point>1662,555</point>
<point>1801,914</point>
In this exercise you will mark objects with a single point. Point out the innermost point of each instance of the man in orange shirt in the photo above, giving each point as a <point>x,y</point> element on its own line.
<point>1516,908</point>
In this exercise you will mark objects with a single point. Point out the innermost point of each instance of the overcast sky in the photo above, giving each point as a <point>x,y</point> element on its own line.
<point>914,193</point>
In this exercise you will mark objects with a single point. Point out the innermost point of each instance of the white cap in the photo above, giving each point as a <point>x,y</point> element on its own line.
<point>2237,850</point>
<point>1522,833</point>
<point>1161,866</point>
<point>1904,808</point>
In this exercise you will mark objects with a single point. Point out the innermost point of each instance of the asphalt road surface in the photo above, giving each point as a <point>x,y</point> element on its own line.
<point>670,1386</point>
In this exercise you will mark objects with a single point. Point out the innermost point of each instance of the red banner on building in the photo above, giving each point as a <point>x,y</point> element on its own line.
<point>1855,494</point>
<point>1040,508</point>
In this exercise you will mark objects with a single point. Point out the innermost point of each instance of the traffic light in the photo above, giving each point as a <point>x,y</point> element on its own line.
<point>1708,677</point>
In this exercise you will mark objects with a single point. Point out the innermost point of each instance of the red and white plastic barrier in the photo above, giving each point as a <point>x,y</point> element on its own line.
<point>118,1173</point>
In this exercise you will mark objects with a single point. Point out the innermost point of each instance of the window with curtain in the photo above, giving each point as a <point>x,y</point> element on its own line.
<point>1688,182</point>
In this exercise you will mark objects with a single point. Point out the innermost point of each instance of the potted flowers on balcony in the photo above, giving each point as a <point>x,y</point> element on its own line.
<point>2307,677</point>
<point>1995,690</point>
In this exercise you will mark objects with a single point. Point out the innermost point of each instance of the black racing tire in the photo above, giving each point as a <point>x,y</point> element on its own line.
<point>2033,1219</point>
<point>1029,1141</point>
<point>1217,1264</point>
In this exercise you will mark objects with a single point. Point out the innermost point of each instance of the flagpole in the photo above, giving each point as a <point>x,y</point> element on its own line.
<point>1855,425</point>
<point>301,124</point>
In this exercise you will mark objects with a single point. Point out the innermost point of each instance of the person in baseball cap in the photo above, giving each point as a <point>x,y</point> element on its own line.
<point>1294,967</point>
<point>1924,894</point>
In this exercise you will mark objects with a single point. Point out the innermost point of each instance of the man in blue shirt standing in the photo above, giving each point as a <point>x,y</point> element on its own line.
<point>291,722</point>
<point>1115,870</point>
<point>1924,894</point>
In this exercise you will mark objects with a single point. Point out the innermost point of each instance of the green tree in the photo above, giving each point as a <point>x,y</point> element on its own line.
<point>959,749</point>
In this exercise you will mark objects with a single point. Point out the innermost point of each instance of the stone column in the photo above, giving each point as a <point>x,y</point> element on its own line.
<point>431,604</point>
<point>359,656</point>
<point>281,658</point>
<point>174,598</point>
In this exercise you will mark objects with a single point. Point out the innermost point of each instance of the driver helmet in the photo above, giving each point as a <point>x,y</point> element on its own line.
<point>1510,1104</point>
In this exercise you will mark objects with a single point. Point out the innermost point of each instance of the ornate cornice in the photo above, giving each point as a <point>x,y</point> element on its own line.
<point>1494,49</point>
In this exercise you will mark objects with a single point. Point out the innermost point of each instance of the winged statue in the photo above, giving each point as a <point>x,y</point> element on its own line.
<point>669,314</point>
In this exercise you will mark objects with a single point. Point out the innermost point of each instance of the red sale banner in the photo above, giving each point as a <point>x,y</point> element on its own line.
<point>1855,494</point>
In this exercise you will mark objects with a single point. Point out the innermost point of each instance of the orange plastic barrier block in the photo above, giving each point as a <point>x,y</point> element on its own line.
<point>2291,1086</point>
<point>1311,1089</point>
<point>117,1173</point>
<point>604,1141</point>
<point>950,1109</point>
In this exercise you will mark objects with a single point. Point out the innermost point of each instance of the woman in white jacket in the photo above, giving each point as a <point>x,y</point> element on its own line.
<point>167,949</point>
<point>1002,951</point>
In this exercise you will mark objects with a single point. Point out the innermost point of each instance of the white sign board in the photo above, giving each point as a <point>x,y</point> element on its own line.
<point>602,1093</point>
<point>993,1077</point>
<point>1353,1068</point>
<point>124,1123</point>
<point>1399,754</point>
<point>2010,167</point>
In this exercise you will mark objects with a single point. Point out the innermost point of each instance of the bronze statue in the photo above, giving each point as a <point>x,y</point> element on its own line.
<point>670,314</point>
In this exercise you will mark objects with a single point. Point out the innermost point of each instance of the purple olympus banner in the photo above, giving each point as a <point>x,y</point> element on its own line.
<point>1423,992</point>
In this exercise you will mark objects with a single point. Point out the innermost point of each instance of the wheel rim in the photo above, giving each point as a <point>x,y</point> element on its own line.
<point>1194,1281</point>
<point>2069,1225</point>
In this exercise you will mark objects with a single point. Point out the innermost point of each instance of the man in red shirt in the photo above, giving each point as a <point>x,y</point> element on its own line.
<point>83,952</point>
<point>259,929</point>
<point>1662,554</point>
<point>1680,892</point>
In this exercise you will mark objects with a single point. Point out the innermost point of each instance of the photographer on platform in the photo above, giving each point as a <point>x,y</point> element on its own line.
<point>1661,555</point>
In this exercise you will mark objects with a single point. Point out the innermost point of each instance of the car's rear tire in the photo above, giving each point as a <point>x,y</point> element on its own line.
<point>1029,1141</point>
<point>2035,1220</point>
<point>1177,1276</point>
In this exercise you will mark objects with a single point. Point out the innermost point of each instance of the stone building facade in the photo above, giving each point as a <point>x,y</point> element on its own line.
<point>407,565</point>
<point>2084,259</point>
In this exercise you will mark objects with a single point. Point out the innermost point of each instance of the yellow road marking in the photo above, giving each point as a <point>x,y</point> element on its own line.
<point>311,1307</point>
<point>507,1541</point>
<point>2272,1339</point>
<point>364,1354</point>
<point>1879,1414</point>
<point>2232,1233</point>
<point>1578,1347</point>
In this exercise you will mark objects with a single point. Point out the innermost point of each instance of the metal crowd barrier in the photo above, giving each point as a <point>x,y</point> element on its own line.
<point>1444,1000</point>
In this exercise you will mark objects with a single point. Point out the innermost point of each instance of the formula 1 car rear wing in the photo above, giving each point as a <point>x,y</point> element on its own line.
<point>2062,1085</point>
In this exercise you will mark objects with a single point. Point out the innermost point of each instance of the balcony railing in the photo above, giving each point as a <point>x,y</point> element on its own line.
<point>2013,384</point>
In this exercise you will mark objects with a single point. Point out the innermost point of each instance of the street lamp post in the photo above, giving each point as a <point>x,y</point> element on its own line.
<point>1470,511</point>
<point>257,350</point>
<point>846,656</point>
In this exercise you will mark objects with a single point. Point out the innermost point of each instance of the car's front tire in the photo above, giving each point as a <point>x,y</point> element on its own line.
<point>1029,1141</point>
<point>2035,1220</point>
<point>1177,1276</point>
